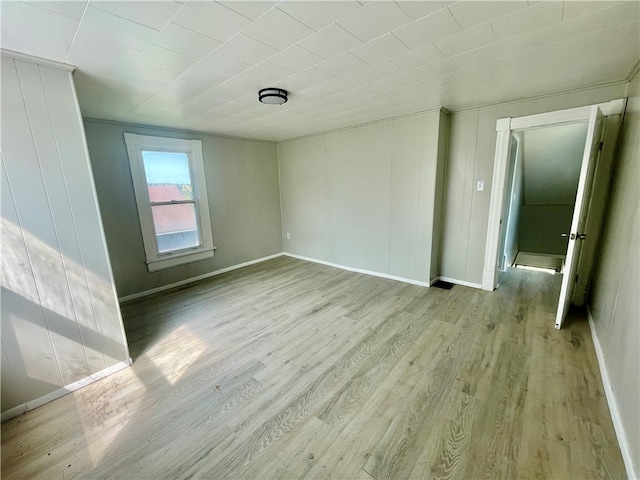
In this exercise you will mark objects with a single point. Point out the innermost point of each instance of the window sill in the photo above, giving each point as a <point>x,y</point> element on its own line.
<point>173,260</point>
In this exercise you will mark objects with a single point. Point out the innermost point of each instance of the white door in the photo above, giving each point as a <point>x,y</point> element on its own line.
<point>576,234</point>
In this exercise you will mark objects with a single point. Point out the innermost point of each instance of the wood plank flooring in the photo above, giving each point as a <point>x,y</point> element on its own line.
<point>288,369</point>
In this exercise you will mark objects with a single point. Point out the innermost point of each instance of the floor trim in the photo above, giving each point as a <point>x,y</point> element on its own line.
<point>618,425</point>
<point>49,397</point>
<point>197,278</point>
<point>461,282</point>
<point>360,270</point>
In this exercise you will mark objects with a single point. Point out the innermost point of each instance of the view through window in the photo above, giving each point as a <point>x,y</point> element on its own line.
<point>171,196</point>
<point>172,200</point>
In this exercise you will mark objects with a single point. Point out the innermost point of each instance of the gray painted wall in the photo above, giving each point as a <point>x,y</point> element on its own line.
<point>472,144</point>
<point>367,197</point>
<point>244,203</point>
<point>541,227</point>
<point>552,161</point>
<point>616,283</point>
<point>60,316</point>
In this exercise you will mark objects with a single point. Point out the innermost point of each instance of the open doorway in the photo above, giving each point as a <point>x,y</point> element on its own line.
<point>594,171</point>
<point>541,188</point>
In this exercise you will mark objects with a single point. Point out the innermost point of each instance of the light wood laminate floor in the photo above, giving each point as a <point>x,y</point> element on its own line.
<point>289,369</point>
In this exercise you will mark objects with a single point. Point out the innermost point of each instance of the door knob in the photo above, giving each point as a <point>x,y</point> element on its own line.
<point>573,236</point>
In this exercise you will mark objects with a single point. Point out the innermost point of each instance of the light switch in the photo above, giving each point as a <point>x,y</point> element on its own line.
<point>480,186</point>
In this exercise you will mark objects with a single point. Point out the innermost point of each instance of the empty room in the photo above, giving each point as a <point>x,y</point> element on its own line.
<point>320,239</point>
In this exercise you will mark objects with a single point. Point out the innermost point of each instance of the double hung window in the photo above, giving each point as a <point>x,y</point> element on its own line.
<point>171,195</point>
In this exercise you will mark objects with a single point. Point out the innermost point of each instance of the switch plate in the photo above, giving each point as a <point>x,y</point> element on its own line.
<point>480,186</point>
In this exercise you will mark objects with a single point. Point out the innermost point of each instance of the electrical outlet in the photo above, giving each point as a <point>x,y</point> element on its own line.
<point>288,236</point>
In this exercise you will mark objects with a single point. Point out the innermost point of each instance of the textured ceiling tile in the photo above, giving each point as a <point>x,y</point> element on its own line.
<point>277,29</point>
<point>341,64</point>
<point>416,9</point>
<point>374,20</point>
<point>470,14</point>
<point>466,40</point>
<point>246,49</point>
<point>526,20</point>
<point>152,14</point>
<point>248,8</point>
<point>418,57</point>
<point>50,34</point>
<point>318,14</point>
<point>428,29</point>
<point>101,24</point>
<point>210,19</point>
<point>295,58</point>
<point>330,41</point>
<point>380,49</point>
<point>184,41</point>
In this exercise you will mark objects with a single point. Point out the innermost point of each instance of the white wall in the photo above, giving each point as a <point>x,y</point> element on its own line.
<point>60,318</point>
<point>471,154</point>
<point>616,284</point>
<point>514,196</point>
<point>367,197</point>
<point>244,203</point>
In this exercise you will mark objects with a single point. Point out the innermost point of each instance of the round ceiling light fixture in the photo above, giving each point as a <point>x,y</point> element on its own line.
<point>272,96</point>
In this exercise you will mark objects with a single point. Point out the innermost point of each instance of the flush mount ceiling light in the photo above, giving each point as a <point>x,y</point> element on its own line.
<point>272,96</point>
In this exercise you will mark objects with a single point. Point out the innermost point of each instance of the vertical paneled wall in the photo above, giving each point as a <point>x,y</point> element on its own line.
<point>60,318</point>
<point>367,197</point>
<point>616,283</point>
<point>244,203</point>
<point>472,144</point>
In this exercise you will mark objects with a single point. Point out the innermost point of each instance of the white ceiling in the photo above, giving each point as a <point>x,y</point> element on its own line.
<point>198,65</point>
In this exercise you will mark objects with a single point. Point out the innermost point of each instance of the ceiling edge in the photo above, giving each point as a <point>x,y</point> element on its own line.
<point>39,60</point>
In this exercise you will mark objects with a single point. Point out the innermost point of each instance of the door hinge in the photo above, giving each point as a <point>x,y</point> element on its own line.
<point>600,146</point>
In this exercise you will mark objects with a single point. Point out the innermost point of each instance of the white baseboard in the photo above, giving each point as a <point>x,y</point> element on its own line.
<point>611,401</point>
<point>461,282</point>
<point>49,397</point>
<point>360,270</point>
<point>197,278</point>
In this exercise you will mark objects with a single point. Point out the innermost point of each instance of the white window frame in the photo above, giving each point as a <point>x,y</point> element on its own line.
<point>155,260</point>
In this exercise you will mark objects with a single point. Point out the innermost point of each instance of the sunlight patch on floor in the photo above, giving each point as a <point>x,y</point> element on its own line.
<point>175,353</point>
<point>537,269</point>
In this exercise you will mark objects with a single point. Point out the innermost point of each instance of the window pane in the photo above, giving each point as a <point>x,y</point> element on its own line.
<point>176,226</point>
<point>167,176</point>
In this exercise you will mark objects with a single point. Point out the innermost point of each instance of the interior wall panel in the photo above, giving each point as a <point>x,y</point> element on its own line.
<point>439,194</point>
<point>616,283</point>
<point>244,203</point>
<point>365,197</point>
<point>303,185</point>
<point>53,335</point>
<point>358,193</point>
<point>471,155</point>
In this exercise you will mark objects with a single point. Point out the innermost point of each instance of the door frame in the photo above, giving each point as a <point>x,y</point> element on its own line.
<point>504,127</point>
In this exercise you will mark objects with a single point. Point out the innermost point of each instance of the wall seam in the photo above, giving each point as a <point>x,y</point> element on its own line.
<point>75,231</point>
<point>26,249</point>
<point>55,353</point>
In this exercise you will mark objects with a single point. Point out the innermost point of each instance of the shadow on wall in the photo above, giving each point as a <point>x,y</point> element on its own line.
<point>58,321</point>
